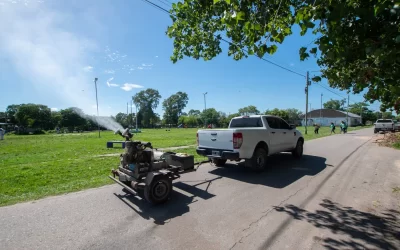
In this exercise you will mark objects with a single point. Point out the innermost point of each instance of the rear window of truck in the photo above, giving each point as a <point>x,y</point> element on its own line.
<point>250,122</point>
<point>384,121</point>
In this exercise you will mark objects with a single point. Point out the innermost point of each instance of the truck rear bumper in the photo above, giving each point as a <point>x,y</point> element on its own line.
<point>217,153</point>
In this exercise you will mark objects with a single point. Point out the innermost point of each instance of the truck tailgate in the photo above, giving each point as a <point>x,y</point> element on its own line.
<point>216,138</point>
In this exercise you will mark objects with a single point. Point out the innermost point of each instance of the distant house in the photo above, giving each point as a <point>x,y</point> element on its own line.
<point>324,117</point>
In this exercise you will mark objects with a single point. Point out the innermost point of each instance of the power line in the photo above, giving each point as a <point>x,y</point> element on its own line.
<point>230,43</point>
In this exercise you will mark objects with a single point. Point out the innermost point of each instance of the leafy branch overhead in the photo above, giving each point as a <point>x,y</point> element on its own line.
<point>357,44</point>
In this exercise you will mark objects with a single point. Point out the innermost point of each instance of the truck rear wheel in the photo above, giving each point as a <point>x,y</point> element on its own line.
<point>219,162</point>
<point>159,190</point>
<point>259,159</point>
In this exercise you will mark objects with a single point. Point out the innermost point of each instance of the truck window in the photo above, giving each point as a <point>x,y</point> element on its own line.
<point>283,124</point>
<point>273,122</point>
<point>384,121</point>
<point>250,122</point>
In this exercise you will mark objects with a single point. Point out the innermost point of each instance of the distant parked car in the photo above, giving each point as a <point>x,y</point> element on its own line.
<point>384,125</point>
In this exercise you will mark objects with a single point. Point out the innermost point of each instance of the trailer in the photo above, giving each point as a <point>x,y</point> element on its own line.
<point>148,172</point>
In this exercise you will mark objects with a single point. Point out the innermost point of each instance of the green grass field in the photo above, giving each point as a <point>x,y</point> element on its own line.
<point>36,166</point>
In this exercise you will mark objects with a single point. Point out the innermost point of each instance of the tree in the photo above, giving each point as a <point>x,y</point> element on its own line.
<point>357,42</point>
<point>294,115</point>
<point>278,112</point>
<point>335,104</point>
<point>210,116</point>
<point>358,108</point>
<point>249,110</point>
<point>194,112</point>
<point>147,100</point>
<point>34,116</point>
<point>56,118</point>
<point>11,110</point>
<point>173,107</point>
<point>72,120</point>
<point>125,120</point>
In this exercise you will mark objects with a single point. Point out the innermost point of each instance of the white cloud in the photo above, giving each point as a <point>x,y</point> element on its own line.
<point>109,84</point>
<point>42,51</point>
<point>130,86</point>
<point>147,65</point>
<point>54,109</point>
<point>88,68</point>
<point>156,56</point>
<point>292,64</point>
<point>109,71</point>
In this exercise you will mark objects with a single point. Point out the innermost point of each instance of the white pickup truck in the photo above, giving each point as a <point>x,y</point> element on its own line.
<point>384,125</point>
<point>252,138</point>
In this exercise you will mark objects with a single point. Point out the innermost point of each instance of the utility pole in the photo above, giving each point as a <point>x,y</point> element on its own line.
<point>205,107</point>
<point>136,114</point>
<point>320,112</point>
<point>347,114</point>
<point>306,90</point>
<point>97,103</point>
<point>131,122</point>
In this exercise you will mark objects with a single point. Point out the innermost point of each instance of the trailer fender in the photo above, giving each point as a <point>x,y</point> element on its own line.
<point>151,175</point>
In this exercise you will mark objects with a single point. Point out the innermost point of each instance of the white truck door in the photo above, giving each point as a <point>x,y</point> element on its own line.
<point>275,137</point>
<point>288,141</point>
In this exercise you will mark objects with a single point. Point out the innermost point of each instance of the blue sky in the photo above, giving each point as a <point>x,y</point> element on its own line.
<point>50,52</point>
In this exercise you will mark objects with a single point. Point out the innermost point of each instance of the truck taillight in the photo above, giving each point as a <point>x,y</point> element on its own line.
<point>197,138</point>
<point>237,140</point>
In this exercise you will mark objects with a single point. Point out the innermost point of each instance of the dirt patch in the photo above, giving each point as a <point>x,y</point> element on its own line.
<point>388,139</point>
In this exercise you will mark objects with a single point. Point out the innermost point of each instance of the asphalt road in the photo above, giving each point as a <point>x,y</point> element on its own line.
<point>339,196</point>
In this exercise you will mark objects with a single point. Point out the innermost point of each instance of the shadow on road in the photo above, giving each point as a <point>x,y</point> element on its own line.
<point>362,230</point>
<point>282,171</point>
<point>176,206</point>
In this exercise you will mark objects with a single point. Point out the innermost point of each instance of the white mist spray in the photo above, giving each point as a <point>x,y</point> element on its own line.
<point>104,121</point>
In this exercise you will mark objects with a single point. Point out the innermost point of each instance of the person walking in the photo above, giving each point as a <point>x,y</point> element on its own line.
<point>333,127</point>
<point>316,128</point>
<point>344,127</point>
<point>341,127</point>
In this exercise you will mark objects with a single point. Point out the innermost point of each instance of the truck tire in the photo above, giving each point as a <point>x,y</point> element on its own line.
<point>375,131</point>
<point>298,150</point>
<point>159,190</point>
<point>219,162</point>
<point>259,159</point>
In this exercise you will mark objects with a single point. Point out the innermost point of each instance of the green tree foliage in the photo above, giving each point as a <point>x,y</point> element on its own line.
<point>335,104</point>
<point>357,41</point>
<point>33,116</point>
<point>147,100</point>
<point>194,112</point>
<point>294,115</point>
<point>11,111</point>
<point>358,108</point>
<point>173,107</point>
<point>126,120</point>
<point>278,112</point>
<point>249,110</point>
<point>71,119</point>
<point>210,116</point>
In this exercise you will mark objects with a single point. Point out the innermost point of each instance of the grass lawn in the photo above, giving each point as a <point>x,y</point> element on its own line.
<point>36,166</point>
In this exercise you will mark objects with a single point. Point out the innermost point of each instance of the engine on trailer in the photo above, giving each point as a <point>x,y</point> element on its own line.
<point>139,157</point>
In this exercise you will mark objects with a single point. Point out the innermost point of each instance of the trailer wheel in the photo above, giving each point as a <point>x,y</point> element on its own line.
<point>219,162</point>
<point>159,190</point>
